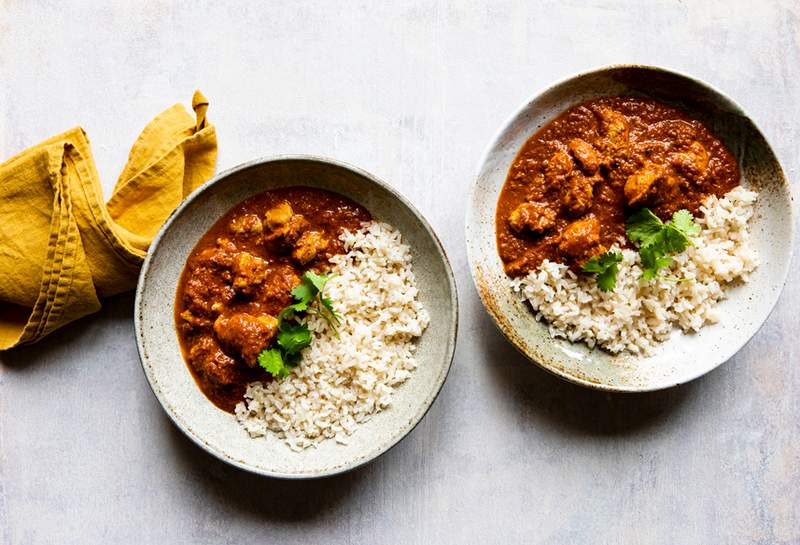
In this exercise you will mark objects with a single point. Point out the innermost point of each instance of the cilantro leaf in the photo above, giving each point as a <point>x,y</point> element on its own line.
<point>652,260</point>
<point>644,227</point>
<point>272,362</point>
<point>293,338</point>
<point>318,281</point>
<point>672,240</point>
<point>683,221</point>
<point>289,312</point>
<point>606,268</point>
<point>648,274</point>
<point>607,280</point>
<point>304,292</point>
<point>658,239</point>
<point>291,360</point>
<point>602,262</point>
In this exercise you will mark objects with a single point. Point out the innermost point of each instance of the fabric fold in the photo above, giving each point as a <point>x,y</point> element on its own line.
<point>61,248</point>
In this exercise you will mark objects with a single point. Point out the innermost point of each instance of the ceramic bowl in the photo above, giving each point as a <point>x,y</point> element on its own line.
<point>217,431</point>
<point>683,357</point>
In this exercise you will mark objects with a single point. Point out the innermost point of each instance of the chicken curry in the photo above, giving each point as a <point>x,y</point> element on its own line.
<point>240,274</point>
<point>574,182</point>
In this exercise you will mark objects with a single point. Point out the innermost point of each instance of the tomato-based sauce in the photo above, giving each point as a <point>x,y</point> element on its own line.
<point>574,182</point>
<point>240,275</point>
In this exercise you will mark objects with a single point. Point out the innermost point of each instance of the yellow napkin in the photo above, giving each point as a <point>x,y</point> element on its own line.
<point>61,248</point>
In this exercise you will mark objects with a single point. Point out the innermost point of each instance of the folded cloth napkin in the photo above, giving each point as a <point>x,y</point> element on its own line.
<point>61,248</point>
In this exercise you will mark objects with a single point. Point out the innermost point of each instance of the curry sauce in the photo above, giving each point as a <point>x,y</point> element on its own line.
<point>573,183</point>
<point>240,275</point>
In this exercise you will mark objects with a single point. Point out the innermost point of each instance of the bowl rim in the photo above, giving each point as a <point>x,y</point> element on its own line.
<point>473,262</point>
<point>139,331</point>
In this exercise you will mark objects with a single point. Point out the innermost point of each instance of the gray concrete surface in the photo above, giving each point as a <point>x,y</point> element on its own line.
<point>412,92</point>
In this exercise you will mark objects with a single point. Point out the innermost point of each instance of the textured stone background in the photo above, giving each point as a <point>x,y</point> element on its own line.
<point>412,92</point>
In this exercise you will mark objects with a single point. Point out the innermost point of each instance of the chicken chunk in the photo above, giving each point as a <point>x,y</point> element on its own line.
<point>248,224</point>
<point>220,256</point>
<point>533,217</point>
<point>585,155</point>
<point>208,360</point>
<point>277,216</point>
<point>639,184</point>
<point>191,322</point>
<point>277,292</point>
<point>615,127</point>
<point>692,163</point>
<point>652,184</point>
<point>284,224</point>
<point>581,238</point>
<point>309,245</point>
<point>249,272</point>
<point>205,289</point>
<point>558,166</point>
<point>246,334</point>
<point>577,198</point>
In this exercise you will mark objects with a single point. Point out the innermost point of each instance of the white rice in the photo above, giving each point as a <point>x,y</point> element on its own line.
<point>342,381</point>
<point>637,314</point>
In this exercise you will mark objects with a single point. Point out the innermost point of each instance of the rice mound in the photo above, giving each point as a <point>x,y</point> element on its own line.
<point>637,315</point>
<point>342,381</point>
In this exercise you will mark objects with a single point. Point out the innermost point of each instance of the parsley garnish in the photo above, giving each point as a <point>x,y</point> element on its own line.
<point>658,239</point>
<point>606,268</point>
<point>293,335</point>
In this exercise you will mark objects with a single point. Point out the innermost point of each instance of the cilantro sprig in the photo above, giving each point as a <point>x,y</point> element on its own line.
<point>294,335</point>
<point>658,239</point>
<point>606,267</point>
<point>310,290</point>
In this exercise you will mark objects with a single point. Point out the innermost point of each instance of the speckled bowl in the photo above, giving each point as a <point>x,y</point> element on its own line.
<point>217,431</point>
<point>683,357</point>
